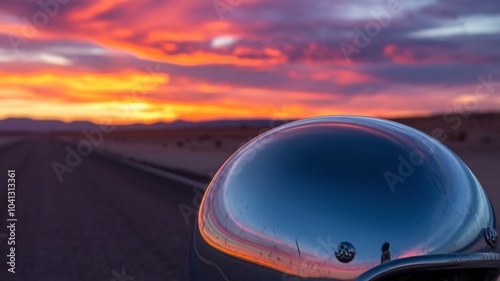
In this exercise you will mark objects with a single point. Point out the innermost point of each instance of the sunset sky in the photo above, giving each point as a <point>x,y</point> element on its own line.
<point>162,60</point>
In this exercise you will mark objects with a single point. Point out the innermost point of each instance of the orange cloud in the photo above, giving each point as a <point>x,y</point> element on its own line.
<point>98,7</point>
<point>84,86</point>
<point>400,55</point>
<point>337,76</point>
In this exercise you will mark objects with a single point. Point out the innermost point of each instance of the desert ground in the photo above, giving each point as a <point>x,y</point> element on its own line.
<point>108,217</point>
<point>201,151</point>
<point>197,152</point>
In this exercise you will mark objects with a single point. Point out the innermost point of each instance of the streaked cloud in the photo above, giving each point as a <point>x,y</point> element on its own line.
<point>38,57</point>
<point>223,41</point>
<point>471,25</point>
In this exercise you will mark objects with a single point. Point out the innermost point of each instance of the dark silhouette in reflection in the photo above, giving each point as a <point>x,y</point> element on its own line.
<point>386,255</point>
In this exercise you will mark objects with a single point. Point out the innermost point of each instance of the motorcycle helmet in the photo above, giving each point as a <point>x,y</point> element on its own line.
<point>344,198</point>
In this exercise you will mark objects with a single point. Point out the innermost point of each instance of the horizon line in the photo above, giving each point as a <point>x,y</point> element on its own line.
<point>258,118</point>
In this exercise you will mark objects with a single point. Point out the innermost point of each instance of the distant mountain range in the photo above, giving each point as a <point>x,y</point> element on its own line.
<point>26,125</point>
<point>47,126</point>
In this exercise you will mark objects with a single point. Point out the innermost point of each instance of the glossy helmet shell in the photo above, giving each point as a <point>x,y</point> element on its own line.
<point>333,197</point>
